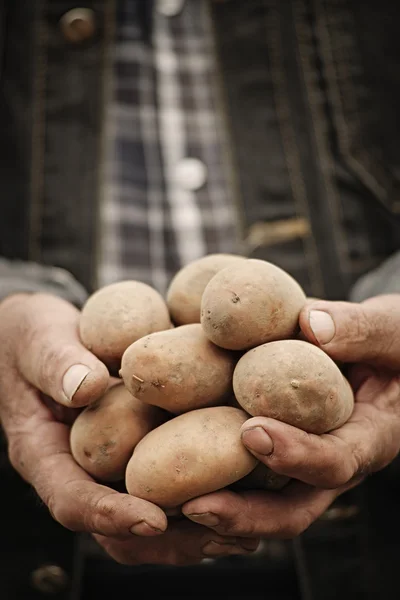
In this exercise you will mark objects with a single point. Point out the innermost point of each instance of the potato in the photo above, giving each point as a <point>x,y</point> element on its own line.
<point>250,303</point>
<point>106,432</point>
<point>186,288</point>
<point>295,382</point>
<point>261,478</point>
<point>190,455</point>
<point>117,315</point>
<point>178,370</point>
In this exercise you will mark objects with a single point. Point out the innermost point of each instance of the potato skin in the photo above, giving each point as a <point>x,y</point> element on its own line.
<point>178,370</point>
<point>118,314</point>
<point>261,478</point>
<point>251,303</point>
<point>295,382</point>
<point>106,432</point>
<point>193,454</point>
<point>187,286</point>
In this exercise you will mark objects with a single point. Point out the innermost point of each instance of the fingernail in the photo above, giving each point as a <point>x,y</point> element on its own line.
<point>220,549</point>
<point>249,545</point>
<point>73,380</point>
<point>144,529</point>
<point>207,519</point>
<point>322,325</point>
<point>258,440</point>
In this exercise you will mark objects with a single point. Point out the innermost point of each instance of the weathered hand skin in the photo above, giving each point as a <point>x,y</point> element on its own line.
<point>322,467</point>
<point>41,357</point>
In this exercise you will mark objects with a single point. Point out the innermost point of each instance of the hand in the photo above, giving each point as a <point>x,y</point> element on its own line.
<point>323,467</point>
<point>184,543</point>
<point>41,359</point>
<point>40,352</point>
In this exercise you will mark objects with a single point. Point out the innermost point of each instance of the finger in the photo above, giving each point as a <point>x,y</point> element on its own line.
<point>366,443</point>
<point>184,543</point>
<point>279,515</point>
<point>40,453</point>
<point>51,357</point>
<point>352,332</point>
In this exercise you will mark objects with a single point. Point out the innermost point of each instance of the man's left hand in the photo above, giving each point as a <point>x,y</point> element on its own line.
<point>366,338</point>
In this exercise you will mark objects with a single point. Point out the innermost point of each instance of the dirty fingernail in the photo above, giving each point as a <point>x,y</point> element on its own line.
<point>144,529</point>
<point>219,549</point>
<point>207,519</point>
<point>73,380</point>
<point>250,545</point>
<point>322,325</point>
<point>258,440</point>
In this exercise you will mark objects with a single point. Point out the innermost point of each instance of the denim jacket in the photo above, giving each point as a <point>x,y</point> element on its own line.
<point>310,91</point>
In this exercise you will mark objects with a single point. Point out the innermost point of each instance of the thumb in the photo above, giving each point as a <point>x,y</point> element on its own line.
<point>351,332</point>
<point>50,356</point>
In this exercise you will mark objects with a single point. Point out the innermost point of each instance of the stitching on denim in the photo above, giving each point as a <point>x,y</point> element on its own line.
<point>290,146</point>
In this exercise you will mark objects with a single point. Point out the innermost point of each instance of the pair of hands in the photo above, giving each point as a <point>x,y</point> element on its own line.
<point>46,374</point>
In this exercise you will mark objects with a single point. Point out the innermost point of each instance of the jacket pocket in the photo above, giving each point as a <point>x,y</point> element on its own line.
<point>354,40</point>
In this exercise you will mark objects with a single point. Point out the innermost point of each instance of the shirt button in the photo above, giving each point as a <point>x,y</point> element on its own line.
<point>170,8</point>
<point>78,25</point>
<point>191,174</point>
<point>49,579</point>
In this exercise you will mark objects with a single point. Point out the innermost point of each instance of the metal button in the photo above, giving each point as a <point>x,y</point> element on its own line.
<point>78,25</point>
<point>49,579</point>
<point>170,8</point>
<point>191,173</point>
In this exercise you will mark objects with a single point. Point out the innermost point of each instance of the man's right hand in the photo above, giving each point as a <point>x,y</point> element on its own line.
<point>41,354</point>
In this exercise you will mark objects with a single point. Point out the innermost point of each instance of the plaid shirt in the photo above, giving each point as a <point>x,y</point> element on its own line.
<point>162,110</point>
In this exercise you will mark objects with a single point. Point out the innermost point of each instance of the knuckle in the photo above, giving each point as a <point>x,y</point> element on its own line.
<point>279,529</point>
<point>361,325</point>
<point>225,529</point>
<point>298,524</point>
<point>337,476</point>
<point>62,512</point>
<point>372,329</point>
<point>48,360</point>
<point>234,528</point>
<point>52,507</point>
<point>293,461</point>
<point>99,515</point>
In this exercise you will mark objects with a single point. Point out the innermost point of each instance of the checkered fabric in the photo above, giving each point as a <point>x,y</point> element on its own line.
<point>162,109</point>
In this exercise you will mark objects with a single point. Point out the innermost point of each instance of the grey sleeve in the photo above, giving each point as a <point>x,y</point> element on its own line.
<point>18,276</point>
<point>383,280</point>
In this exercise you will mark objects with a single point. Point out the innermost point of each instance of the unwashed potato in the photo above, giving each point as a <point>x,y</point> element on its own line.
<point>250,303</point>
<point>186,288</point>
<point>190,455</point>
<point>117,315</point>
<point>106,432</point>
<point>295,382</point>
<point>261,478</point>
<point>178,370</point>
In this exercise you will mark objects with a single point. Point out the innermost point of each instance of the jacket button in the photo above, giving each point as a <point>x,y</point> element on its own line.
<point>78,25</point>
<point>49,579</point>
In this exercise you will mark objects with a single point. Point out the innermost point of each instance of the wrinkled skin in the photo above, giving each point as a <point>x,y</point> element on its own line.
<point>39,399</point>
<point>364,339</point>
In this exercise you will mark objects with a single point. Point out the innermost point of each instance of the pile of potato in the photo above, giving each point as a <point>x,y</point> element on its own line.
<point>193,367</point>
